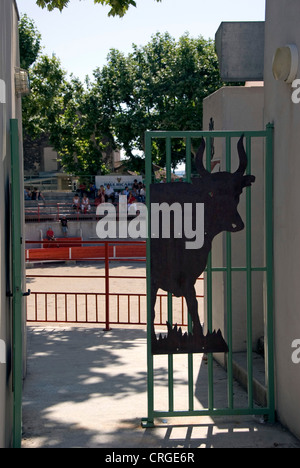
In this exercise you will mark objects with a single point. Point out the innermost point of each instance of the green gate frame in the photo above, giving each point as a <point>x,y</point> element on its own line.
<point>269,410</point>
<point>17,292</point>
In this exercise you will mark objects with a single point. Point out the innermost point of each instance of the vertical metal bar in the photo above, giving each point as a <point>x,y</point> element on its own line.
<point>188,175</point>
<point>160,310</point>
<point>35,306</point>
<point>17,322</point>
<point>188,161</point>
<point>107,327</point>
<point>209,299</point>
<point>128,297</point>
<point>86,308</point>
<point>118,308</point>
<point>46,306</point>
<point>150,383</point>
<point>66,307</point>
<point>96,304</point>
<point>55,306</point>
<point>249,279</point>
<point>168,160</point>
<point>269,273</point>
<point>229,291</point>
<point>76,307</point>
<point>170,304</point>
<point>190,371</point>
<point>170,358</point>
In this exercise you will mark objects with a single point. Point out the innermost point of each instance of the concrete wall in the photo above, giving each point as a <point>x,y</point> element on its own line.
<point>282,27</point>
<point>10,107</point>
<point>239,108</point>
<point>240,49</point>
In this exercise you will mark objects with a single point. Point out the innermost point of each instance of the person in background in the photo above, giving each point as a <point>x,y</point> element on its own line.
<point>109,194</point>
<point>92,190</point>
<point>27,193</point>
<point>37,195</point>
<point>82,188</point>
<point>142,193</point>
<point>50,234</point>
<point>100,196</point>
<point>126,192</point>
<point>64,226</point>
<point>85,204</point>
<point>135,185</point>
<point>76,202</point>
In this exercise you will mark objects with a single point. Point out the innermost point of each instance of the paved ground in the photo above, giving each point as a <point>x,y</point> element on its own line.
<point>87,388</point>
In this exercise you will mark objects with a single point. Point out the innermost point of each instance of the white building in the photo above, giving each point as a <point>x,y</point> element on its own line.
<point>247,54</point>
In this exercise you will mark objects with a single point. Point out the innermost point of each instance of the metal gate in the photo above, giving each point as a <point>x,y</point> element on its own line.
<point>229,269</point>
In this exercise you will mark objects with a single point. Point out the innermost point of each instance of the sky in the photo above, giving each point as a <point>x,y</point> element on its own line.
<point>83,34</point>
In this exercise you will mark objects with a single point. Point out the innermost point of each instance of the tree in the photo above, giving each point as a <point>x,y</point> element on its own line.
<point>48,84</point>
<point>74,133</point>
<point>30,42</point>
<point>118,7</point>
<point>59,112</point>
<point>63,111</point>
<point>159,86</point>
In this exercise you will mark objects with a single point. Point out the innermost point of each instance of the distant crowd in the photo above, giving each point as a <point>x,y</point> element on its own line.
<point>84,199</point>
<point>33,194</point>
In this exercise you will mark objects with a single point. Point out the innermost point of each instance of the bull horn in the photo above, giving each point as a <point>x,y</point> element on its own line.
<point>242,156</point>
<point>199,159</point>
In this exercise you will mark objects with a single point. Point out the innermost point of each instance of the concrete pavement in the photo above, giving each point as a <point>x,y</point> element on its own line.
<point>86,388</point>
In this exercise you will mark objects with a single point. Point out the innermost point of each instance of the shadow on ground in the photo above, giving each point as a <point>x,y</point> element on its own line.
<point>88,388</point>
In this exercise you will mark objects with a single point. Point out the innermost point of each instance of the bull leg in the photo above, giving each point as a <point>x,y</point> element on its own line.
<point>154,290</point>
<point>192,305</point>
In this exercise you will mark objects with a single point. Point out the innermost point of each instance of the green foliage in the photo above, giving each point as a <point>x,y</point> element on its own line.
<point>62,109</point>
<point>76,134</point>
<point>47,82</point>
<point>160,86</point>
<point>118,7</point>
<point>30,42</point>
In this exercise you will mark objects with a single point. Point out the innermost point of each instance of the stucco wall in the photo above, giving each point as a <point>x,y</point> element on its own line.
<point>10,107</point>
<point>282,27</point>
<point>239,108</point>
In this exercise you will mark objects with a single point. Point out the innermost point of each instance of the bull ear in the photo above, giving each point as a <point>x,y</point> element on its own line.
<point>242,156</point>
<point>199,160</point>
<point>248,180</point>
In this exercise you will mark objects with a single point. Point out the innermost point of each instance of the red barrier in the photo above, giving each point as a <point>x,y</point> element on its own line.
<point>105,307</point>
<point>72,249</point>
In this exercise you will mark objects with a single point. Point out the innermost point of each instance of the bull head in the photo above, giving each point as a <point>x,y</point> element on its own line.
<point>224,190</point>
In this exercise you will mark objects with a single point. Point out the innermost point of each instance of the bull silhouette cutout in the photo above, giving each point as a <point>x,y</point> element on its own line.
<point>174,268</point>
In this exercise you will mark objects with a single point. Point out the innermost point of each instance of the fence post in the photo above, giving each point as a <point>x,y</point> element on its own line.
<point>107,328</point>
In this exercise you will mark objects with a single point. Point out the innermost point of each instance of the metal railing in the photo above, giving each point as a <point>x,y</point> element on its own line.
<point>108,308</point>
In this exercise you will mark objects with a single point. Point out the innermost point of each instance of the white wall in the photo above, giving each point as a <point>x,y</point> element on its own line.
<point>239,108</point>
<point>282,27</point>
